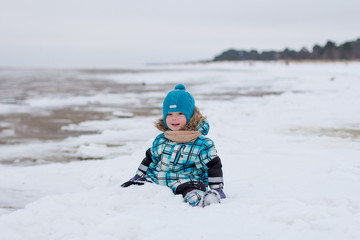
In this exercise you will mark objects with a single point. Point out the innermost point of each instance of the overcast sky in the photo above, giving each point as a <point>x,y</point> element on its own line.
<point>119,32</point>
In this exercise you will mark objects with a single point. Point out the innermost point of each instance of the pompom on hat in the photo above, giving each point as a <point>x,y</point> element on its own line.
<point>179,100</point>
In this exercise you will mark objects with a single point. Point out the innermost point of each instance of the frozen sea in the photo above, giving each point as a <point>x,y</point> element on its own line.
<point>288,136</point>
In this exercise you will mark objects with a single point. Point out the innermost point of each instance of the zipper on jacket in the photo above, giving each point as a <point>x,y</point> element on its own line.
<point>178,155</point>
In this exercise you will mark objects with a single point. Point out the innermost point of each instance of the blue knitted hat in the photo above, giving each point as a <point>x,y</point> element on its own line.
<point>179,100</point>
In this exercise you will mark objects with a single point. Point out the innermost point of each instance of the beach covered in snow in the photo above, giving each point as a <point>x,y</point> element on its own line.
<point>288,137</point>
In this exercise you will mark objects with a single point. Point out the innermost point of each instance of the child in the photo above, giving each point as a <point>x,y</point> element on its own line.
<point>181,157</point>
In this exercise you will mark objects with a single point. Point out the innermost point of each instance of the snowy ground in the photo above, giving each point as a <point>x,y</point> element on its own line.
<point>288,137</point>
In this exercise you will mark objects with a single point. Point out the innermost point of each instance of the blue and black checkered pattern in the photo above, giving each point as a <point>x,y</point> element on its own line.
<point>194,197</point>
<point>173,164</point>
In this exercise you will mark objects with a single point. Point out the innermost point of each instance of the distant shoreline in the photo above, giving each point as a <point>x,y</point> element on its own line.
<point>330,51</point>
<point>280,60</point>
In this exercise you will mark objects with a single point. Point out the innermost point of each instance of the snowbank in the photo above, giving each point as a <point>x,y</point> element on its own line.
<point>283,133</point>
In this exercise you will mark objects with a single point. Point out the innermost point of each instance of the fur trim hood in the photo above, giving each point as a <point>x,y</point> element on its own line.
<point>193,125</point>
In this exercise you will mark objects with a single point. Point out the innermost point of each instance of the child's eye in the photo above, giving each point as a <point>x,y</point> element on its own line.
<point>180,113</point>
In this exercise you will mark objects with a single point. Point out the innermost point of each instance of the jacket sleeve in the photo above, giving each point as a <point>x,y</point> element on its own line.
<point>144,165</point>
<point>215,173</point>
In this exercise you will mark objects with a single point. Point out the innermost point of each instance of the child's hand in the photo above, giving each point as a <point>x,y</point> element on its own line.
<point>133,181</point>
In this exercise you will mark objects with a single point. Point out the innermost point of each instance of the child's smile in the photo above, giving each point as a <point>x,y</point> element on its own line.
<point>176,121</point>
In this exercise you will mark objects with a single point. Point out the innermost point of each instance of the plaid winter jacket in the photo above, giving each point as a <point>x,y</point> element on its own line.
<point>176,164</point>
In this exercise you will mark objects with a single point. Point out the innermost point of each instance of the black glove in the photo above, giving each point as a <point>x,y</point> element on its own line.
<point>136,180</point>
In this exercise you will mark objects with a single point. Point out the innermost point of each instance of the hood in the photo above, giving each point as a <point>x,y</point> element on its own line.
<point>197,122</point>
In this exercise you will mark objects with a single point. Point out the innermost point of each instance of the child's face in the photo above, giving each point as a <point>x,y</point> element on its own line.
<point>176,121</point>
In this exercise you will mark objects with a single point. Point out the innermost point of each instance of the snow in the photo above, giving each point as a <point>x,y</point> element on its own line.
<point>288,137</point>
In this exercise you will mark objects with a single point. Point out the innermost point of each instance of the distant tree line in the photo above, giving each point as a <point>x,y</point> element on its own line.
<point>346,51</point>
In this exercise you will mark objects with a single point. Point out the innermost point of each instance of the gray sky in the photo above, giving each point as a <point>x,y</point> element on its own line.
<point>118,32</point>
